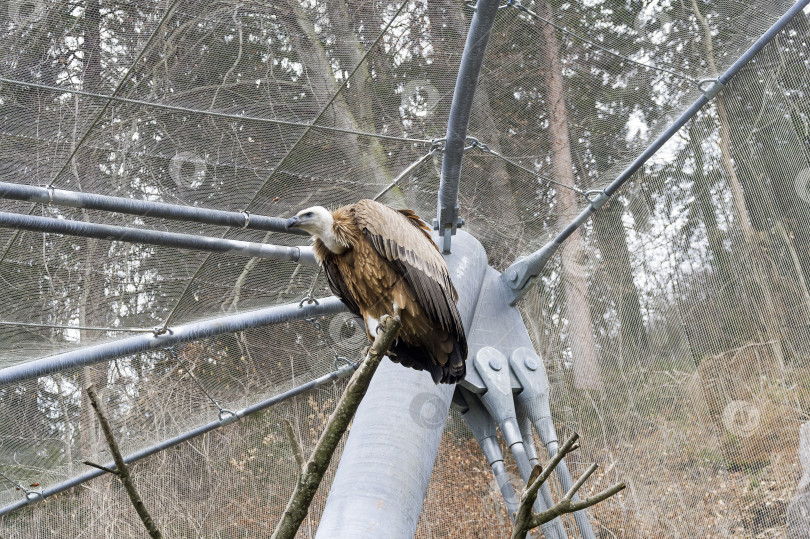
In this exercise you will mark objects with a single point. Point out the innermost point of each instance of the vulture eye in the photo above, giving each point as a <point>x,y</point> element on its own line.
<point>308,214</point>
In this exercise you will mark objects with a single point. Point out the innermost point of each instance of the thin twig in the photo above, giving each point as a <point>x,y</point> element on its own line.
<point>525,520</point>
<point>122,470</point>
<point>102,468</point>
<point>316,466</point>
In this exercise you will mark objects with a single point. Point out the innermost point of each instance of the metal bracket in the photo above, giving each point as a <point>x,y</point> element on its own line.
<point>533,407</point>
<point>597,198</point>
<point>34,496</point>
<point>522,272</point>
<point>226,417</point>
<point>710,87</point>
<point>447,223</point>
<point>493,367</point>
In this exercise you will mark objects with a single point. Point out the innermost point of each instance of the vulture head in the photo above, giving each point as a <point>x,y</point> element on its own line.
<point>318,221</point>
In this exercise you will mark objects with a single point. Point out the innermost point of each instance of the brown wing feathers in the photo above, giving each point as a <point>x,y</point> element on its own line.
<point>404,243</point>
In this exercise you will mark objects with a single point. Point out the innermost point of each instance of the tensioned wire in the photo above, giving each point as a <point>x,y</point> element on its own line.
<point>288,153</point>
<point>169,11</point>
<point>520,7</point>
<point>212,113</point>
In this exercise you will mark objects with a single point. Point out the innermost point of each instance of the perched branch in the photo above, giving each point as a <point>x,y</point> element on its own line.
<point>122,470</point>
<point>296,449</point>
<point>525,520</point>
<point>316,466</point>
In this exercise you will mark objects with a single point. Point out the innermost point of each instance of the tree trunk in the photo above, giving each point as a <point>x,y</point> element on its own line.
<point>769,313</point>
<point>319,71</point>
<point>586,367</point>
<point>612,241</point>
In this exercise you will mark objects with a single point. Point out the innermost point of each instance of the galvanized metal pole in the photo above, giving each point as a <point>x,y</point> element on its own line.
<point>385,468</point>
<point>143,208</point>
<point>178,334</point>
<point>447,219</point>
<point>303,255</point>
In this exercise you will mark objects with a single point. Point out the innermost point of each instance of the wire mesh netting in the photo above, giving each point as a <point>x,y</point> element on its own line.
<point>675,325</point>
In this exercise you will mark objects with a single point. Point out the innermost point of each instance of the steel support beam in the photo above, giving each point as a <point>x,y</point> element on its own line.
<point>143,208</point>
<point>524,270</point>
<point>302,255</point>
<point>447,219</point>
<point>179,334</point>
<point>383,475</point>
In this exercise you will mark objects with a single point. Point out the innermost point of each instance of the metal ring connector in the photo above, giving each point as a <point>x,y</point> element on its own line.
<point>226,417</point>
<point>247,218</point>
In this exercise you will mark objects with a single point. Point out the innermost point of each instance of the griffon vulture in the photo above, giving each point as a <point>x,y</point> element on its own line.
<point>380,261</point>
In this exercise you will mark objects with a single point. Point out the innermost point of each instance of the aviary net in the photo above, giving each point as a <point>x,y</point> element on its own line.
<point>674,325</point>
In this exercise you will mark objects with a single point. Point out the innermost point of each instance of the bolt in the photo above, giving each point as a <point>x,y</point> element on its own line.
<point>495,364</point>
<point>530,363</point>
<point>512,275</point>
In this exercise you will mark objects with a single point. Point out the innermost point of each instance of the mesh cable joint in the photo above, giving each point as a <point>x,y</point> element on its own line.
<point>710,87</point>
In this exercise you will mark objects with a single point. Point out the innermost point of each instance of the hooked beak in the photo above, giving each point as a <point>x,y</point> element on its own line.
<point>292,222</point>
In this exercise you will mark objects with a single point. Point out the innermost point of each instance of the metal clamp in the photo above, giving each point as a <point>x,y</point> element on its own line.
<point>597,198</point>
<point>710,87</point>
<point>226,417</point>
<point>34,496</point>
<point>344,360</point>
<point>247,218</point>
<point>437,145</point>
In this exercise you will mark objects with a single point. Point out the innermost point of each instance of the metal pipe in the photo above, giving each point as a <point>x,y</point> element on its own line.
<point>455,139</point>
<point>302,255</point>
<point>482,426</point>
<point>180,334</point>
<point>493,368</point>
<point>384,471</point>
<point>525,269</point>
<point>208,427</point>
<point>143,208</point>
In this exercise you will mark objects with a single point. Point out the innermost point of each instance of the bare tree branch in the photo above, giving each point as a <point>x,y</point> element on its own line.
<point>316,466</point>
<point>122,470</point>
<point>525,520</point>
<point>296,449</point>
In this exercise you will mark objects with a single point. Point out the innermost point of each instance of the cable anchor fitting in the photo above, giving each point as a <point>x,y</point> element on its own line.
<point>437,145</point>
<point>710,87</point>
<point>226,417</point>
<point>597,198</point>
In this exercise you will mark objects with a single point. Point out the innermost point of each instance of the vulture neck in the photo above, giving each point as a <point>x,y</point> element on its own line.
<point>329,239</point>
